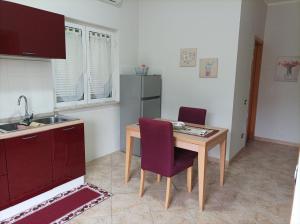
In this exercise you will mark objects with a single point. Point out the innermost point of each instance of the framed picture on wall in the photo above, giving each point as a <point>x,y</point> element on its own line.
<point>208,68</point>
<point>188,57</point>
<point>288,69</point>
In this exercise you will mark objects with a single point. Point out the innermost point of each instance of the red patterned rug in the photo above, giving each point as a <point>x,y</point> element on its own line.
<point>63,207</point>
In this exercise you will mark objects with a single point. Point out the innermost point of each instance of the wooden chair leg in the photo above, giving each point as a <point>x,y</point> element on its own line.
<point>189,178</point>
<point>158,178</point>
<point>142,183</point>
<point>168,192</point>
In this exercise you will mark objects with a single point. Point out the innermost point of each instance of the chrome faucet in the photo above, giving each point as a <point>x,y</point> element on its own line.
<point>28,117</point>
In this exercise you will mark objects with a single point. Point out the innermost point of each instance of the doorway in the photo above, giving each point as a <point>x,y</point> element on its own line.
<point>254,86</point>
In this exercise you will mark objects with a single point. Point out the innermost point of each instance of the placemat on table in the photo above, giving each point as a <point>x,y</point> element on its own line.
<point>201,132</point>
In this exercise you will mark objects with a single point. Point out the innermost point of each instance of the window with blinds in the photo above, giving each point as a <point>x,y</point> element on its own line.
<point>88,74</point>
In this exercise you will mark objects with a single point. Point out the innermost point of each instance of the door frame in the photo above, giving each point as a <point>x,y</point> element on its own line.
<point>254,87</point>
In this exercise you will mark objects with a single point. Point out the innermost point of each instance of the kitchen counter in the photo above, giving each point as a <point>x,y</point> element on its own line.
<point>33,130</point>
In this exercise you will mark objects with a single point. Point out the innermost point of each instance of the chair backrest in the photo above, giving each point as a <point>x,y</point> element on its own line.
<point>157,146</point>
<point>192,115</point>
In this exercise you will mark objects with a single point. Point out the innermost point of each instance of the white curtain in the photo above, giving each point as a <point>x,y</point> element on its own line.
<point>100,80</point>
<point>69,73</point>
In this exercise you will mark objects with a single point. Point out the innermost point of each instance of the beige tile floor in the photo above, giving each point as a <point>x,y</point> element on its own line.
<point>258,189</point>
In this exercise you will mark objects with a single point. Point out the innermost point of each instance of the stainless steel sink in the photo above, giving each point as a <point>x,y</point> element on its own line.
<point>52,120</point>
<point>11,127</point>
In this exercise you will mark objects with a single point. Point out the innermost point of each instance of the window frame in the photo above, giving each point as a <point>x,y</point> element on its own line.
<point>114,64</point>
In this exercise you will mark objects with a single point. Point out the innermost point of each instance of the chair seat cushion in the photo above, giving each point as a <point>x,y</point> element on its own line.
<point>183,159</point>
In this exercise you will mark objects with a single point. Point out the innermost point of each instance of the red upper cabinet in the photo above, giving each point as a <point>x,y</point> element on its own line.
<point>26,31</point>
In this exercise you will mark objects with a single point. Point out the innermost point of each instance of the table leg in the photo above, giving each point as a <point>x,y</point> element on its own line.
<point>222,161</point>
<point>129,149</point>
<point>202,162</point>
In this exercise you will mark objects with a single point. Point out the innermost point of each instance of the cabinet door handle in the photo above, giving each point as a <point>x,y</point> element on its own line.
<point>68,129</point>
<point>30,137</point>
<point>28,53</point>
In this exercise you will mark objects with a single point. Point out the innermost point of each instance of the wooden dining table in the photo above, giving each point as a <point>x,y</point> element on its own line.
<point>189,142</point>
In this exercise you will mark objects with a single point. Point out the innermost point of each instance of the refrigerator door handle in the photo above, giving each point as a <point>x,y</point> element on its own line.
<point>150,97</point>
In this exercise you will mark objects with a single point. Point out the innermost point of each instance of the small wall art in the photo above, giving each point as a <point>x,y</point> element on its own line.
<point>188,57</point>
<point>208,68</point>
<point>288,69</point>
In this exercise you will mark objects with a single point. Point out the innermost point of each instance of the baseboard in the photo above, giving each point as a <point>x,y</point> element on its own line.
<point>261,139</point>
<point>101,155</point>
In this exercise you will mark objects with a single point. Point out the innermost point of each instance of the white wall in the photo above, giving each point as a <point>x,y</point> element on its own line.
<point>213,28</point>
<point>34,78</point>
<point>253,15</point>
<point>278,113</point>
<point>30,78</point>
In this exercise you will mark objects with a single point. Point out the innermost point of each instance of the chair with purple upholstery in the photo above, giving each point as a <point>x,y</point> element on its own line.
<point>158,154</point>
<point>192,115</point>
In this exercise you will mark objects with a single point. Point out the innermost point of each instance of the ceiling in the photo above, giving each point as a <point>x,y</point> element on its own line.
<point>280,1</point>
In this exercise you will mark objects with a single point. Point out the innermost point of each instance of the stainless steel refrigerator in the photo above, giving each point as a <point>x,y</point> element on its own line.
<point>140,96</point>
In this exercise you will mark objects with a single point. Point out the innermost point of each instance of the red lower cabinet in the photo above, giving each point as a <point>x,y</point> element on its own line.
<point>2,159</point>
<point>4,195</point>
<point>33,164</point>
<point>29,165</point>
<point>69,154</point>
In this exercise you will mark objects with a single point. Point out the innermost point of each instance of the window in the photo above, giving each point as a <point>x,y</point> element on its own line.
<point>89,74</point>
